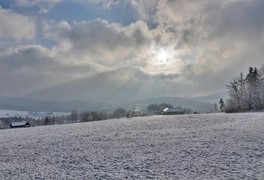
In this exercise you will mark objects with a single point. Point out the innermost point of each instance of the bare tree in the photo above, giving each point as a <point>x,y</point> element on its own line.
<point>247,93</point>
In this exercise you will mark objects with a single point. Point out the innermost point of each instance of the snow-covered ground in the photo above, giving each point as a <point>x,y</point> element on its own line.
<point>211,146</point>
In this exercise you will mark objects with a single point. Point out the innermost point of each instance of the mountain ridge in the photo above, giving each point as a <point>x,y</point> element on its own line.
<point>27,104</point>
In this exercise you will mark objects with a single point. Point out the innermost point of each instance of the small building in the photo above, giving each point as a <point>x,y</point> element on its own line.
<point>136,114</point>
<point>172,111</point>
<point>22,124</point>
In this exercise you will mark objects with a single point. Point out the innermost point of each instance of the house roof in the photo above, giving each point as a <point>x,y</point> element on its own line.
<point>171,110</point>
<point>22,123</point>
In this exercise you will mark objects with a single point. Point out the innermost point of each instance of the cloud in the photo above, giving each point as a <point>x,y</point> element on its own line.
<point>16,26</point>
<point>119,85</point>
<point>145,9</point>
<point>114,45</point>
<point>102,42</point>
<point>223,38</point>
<point>34,67</point>
<point>192,47</point>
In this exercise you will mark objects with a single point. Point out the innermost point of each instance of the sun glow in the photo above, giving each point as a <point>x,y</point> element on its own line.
<point>162,56</point>
<point>163,60</point>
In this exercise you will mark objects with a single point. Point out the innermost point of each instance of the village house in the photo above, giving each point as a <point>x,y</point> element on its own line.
<point>22,124</point>
<point>172,111</point>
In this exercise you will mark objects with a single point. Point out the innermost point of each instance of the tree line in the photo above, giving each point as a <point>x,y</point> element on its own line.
<point>246,92</point>
<point>76,117</point>
<point>155,109</point>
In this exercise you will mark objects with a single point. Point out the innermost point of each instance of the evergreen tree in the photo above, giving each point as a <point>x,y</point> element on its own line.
<point>253,82</point>
<point>222,105</point>
<point>46,121</point>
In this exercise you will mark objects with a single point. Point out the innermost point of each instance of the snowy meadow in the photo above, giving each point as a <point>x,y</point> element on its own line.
<point>201,146</point>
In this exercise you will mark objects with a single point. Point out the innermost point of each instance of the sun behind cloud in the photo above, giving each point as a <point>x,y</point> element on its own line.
<point>162,56</point>
<point>161,60</point>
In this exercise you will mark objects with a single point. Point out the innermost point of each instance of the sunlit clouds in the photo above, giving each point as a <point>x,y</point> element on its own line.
<point>190,47</point>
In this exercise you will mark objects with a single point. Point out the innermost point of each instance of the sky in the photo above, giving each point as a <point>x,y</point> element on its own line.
<point>135,48</point>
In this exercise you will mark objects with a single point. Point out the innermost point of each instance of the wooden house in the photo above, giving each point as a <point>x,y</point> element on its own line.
<point>22,124</point>
<point>172,111</point>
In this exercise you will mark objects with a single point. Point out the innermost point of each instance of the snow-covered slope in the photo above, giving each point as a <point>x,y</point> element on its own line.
<point>213,146</point>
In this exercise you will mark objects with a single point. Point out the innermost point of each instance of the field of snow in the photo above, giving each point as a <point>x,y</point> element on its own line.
<point>202,146</point>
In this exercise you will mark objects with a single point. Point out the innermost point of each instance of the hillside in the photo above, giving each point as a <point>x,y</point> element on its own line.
<point>27,104</point>
<point>212,146</point>
<point>123,85</point>
<point>195,105</point>
<point>212,98</point>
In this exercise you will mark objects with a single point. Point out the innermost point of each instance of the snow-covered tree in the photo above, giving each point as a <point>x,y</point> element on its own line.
<point>119,113</point>
<point>247,93</point>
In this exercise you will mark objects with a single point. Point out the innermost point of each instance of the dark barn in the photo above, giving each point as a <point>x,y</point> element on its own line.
<point>22,124</point>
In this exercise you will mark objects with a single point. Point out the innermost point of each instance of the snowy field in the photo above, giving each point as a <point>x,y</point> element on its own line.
<point>212,146</point>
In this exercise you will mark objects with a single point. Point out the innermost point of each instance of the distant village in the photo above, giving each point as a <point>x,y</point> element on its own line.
<point>75,117</point>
